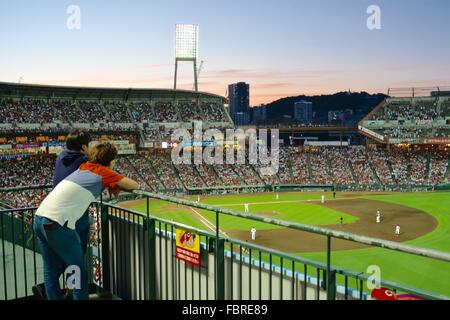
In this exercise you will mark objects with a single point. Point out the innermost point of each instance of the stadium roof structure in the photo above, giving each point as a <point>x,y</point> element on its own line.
<point>418,92</point>
<point>69,92</point>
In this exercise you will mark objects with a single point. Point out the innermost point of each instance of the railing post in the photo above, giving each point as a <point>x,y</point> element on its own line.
<point>220,263</point>
<point>331,275</point>
<point>150,227</point>
<point>106,266</point>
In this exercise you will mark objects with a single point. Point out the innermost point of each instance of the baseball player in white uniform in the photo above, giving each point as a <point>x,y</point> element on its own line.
<point>397,230</point>
<point>253,232</point>
<point>322,199</point>
<point>246,207</point>
<point>378,217</point>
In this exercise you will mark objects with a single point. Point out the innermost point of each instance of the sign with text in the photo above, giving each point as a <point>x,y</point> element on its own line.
<point>188,247</point>
<point>437,141</point>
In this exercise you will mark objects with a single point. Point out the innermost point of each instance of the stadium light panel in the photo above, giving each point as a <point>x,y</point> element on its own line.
<point>186,42</point>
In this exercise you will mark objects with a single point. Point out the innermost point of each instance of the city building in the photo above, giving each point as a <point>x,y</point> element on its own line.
<point>239,100</point>
<point>259,114</point>
<point>303,111</point>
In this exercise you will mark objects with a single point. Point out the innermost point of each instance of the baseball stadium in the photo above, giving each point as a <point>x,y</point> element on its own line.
<point>316,217</point>
<point>185,196</point>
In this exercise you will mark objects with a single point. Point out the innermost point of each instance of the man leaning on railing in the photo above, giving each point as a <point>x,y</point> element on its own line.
<point>67,162</point>
<point>57,216</point>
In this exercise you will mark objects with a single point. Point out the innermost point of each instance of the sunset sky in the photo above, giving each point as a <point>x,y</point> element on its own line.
<point>280,47</point>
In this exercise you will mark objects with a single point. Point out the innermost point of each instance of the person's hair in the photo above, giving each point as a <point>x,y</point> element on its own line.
<point>77,139</point>
<point>103,153</point>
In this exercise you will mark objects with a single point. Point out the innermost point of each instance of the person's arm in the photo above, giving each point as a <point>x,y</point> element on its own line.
<point>115,182</point>
<point>127,184</point>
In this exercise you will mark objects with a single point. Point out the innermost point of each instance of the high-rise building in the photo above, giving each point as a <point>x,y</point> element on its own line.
<point>241,118</point>
<point>259,114</point>
<point>303,111</point>
<point>238,96</point>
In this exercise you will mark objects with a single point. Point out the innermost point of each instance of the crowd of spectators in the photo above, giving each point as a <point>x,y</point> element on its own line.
<point>191,111</point>
<point>407,132</point>
<point>248,173</point>
<point>33,111</point>
<point>403,110</point>
<point>141,111</point>
<point>165,112</point>
<point>380,160</point>
<point>30,171</point>
<point>414,118</point>
<point>228,175</point>
<point>124,167</point>
<point>92,112</point>
<point>267,179</point>
<point>445,107</point>
<point>329,165</point>
<point>299,166</point>
<point>320,166</point>
<point>209,175</point>
<point>418,168</point>
<point>285,171</point>
<point>151,134</point>
<point>118,112</point>
<point>47,111</point>
<point>189,176</point>
<point>399,163</point>
<point>439,163</point>
<point>340,165</point>
<point>162,163</point>
<point>361,167</point>
<point>214,112</point>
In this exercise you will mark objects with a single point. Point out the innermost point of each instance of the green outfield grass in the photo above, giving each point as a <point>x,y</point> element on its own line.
<point>410,270</point>
<point>403,268</point>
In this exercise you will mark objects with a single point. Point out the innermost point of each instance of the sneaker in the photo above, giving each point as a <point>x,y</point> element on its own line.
<point>68,294</point>
<point>39,292</point>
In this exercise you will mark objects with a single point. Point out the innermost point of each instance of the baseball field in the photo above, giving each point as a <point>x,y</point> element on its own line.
<point>424,219</point>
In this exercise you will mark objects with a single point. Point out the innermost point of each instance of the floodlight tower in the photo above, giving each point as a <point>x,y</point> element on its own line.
<point>186,48</point>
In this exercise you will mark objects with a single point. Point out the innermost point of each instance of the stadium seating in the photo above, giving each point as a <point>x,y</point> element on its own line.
<point>299,166</point>
<point>320,165</point>
<point>410,119</point>
<point>361,167</point>
<point>165,170</point>
<point>345,167</point>
<point>34,171</point>
<point>439,163</point>
<point>380,161</point>
<point>340,166</point>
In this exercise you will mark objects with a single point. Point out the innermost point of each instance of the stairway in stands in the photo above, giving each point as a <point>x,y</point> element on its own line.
<point>310,171</point>
<point>372,168</point>
<point>391,171</point>
<point>137,172</point>
<point>154,172</point>
<point>352,172</point>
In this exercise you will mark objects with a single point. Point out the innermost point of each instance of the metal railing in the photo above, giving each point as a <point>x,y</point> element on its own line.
<point>135,258</point>
<point>21,266</point>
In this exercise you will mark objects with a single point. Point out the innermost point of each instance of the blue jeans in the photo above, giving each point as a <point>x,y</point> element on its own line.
<point>60,247</point>
<point>82,227</point>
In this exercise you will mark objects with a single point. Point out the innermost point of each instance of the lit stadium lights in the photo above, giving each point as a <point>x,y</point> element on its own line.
<point>186,42</point>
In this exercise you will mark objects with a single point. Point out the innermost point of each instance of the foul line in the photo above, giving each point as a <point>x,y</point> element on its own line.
<point>207,223</point>
<point>274,202</point>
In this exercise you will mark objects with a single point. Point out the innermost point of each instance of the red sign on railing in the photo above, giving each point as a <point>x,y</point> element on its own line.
<point>188,247</point>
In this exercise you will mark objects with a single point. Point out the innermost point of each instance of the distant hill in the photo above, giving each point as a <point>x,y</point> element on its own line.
<point>361,103</point>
